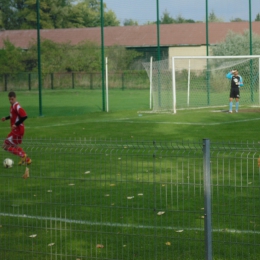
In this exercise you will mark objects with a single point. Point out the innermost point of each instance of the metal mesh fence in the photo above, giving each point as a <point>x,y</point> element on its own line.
<point>126,71</point>
<point>119,199</point>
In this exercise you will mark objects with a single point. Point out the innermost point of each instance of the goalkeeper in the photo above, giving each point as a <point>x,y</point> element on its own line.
<point>236,83</point>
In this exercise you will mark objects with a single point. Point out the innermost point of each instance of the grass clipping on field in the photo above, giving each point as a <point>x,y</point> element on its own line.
<point>26,173</point>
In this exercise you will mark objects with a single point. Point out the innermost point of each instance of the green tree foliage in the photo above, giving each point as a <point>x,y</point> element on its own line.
<point>236,20</point>
<point>90,12</point>
<point>213,18</point>
<point>9,19</point>
<point>22,14</point>
<point>63,57</point>
<point>130,22</point>
<point>257,17</point>
<point>10,59</point>
<point>166,18</point>
<point>28,16</point>
<point>120,58</point>
<point>1,20</point>
<point>237,44</point>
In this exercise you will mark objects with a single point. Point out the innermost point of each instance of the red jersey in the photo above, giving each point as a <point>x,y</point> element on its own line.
<point>16,112</point>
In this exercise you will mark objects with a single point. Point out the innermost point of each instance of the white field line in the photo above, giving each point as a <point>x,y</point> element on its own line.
<point>84,222</point>
<point>138,121</point>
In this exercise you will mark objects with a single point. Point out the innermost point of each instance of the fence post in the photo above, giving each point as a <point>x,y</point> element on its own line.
<point>91,80</point>
<point>5,80</point>
<point>52,81</point>
<point>72,80</point>
<point>29,81</point>
<point>207,198</point>
<point>123,81</point>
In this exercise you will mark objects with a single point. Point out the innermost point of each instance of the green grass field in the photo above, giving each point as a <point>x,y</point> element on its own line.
<point>97,178</point>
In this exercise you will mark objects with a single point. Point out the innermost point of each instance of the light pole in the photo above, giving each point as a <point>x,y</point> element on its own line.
<point>102,55</point>
<point>207,53</point>
<point>158,51</point>
<point>251,51</point>
<point>39,57</point>
<point>158,31</point>
<point>250,28</point>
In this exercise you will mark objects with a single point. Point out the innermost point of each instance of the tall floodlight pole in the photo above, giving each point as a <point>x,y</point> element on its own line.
<point>102,55</point>
<point>250,28</point>
<point>251,51</point>
<point>207,30</point>
<point>158,31</point>
<point>207,53</point>
<point>158,51</point>
<point>39,57</point>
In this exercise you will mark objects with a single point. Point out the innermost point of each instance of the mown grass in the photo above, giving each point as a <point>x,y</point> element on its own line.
<point>87,163</point>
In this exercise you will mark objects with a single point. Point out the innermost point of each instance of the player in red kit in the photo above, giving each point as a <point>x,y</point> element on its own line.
<point>14,138</point>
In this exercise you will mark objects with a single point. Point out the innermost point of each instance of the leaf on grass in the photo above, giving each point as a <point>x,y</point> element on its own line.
<point>51,244</point>
<point>202,217</point>
<point>119,158</point>
<point>179,231</point>
<point>87,172</point>
<point>32,236</point>
<point>49,190</point>
<point>160,213</point>
<point>140,194</point>
<point>250,183</point>
<point>100,246</point>
<point>112,184</point>
<point>107,195</point>
<point>131,197</point>
<point>26,173</point>
<point>168,243</point>
<point>71,184</point>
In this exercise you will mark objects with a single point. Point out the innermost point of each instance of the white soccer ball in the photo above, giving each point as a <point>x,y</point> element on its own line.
<point>8,163</point>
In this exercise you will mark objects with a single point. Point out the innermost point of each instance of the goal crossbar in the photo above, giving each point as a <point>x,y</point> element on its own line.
<point>253,78</point>
<point>217,57</point>
<point>186,82</point>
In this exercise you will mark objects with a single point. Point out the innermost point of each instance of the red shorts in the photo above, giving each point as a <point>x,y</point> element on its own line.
<point>14,138</point>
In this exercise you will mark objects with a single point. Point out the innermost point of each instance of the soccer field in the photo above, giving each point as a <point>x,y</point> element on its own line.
<point>129,185</point>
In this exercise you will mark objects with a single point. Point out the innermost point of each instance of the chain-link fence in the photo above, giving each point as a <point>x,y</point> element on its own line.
<point>111,199</point>
<point>158,29</point>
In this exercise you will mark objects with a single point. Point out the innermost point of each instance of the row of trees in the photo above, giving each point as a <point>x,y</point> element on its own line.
<point>21,14</point>
<point>56,57</point>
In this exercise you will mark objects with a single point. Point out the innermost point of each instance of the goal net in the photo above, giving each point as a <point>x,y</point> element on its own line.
<point>200,81</point>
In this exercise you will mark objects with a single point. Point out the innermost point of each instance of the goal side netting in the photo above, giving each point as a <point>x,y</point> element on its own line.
<point>200,81</point>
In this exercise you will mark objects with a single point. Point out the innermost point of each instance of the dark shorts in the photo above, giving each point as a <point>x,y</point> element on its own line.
<point>234,93</point>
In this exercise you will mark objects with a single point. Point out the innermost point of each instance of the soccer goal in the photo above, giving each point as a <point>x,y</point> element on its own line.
<point>184,82</point>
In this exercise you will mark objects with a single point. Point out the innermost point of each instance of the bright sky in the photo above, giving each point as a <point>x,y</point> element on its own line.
<point>143,11</point>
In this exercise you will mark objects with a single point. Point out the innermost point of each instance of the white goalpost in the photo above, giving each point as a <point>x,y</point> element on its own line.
<point>107,105</point>
<point>185,82</point>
